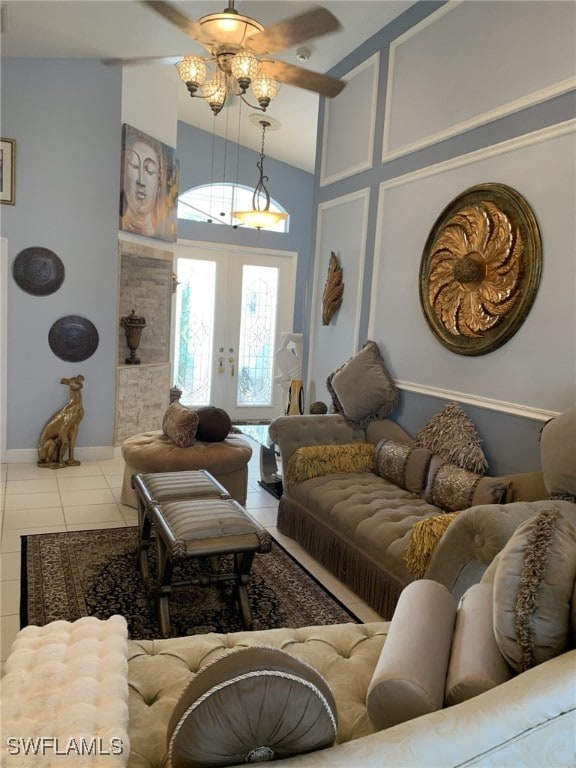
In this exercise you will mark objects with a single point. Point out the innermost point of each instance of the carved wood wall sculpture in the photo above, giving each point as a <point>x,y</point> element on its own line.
<point>333,290</point>
<point>480,269</point>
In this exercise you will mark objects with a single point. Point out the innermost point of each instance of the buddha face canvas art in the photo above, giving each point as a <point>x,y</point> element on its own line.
<point>149,186</point>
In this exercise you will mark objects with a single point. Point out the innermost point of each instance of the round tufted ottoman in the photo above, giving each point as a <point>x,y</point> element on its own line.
<point>154,451</point>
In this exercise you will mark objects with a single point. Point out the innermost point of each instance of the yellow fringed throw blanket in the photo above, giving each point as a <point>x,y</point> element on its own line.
<point>315,460</point>
<point>424,538</point>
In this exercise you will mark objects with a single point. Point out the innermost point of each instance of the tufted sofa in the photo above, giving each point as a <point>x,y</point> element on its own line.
<point>84,679</point>
<point>359,524</point>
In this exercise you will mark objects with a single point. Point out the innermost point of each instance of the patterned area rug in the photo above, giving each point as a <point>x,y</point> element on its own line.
<point>93,573</point>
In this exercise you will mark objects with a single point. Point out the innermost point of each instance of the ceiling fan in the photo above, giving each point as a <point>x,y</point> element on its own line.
<point>238,50</point>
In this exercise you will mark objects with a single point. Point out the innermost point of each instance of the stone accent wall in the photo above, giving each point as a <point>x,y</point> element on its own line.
<point>143,396</point>
<point>143,391</point>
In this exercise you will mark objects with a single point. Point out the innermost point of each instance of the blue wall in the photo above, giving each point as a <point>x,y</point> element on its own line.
<point>510,437</point>
<point>65,118</point>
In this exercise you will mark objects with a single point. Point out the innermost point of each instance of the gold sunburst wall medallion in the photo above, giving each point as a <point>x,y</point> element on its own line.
<point>480,269</point>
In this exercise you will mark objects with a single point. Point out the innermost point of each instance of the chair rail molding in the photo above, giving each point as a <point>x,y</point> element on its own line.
<point>514,409</point>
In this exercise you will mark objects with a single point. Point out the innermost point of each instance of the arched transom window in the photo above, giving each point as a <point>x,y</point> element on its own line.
<point>213,203</point>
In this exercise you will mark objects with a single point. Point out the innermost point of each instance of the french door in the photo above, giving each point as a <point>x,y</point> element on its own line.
<point>232,305</point>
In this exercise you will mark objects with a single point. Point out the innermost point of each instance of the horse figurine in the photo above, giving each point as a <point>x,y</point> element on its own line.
<point>59,433</point>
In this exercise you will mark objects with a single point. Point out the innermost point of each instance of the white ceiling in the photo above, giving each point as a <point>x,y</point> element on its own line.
<point>103,29</point>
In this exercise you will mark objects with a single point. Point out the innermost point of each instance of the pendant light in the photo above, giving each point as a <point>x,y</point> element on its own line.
<point>261,217</point>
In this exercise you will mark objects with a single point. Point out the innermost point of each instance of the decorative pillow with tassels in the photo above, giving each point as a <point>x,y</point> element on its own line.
<point>316,460</point>
<point>452,435</point>
<point>424,538</point>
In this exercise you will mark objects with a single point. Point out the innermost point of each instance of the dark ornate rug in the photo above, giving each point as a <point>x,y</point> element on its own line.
<point>93,573</point>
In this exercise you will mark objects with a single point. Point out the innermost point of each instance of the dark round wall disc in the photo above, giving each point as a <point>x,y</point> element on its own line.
<point>38,271</point>
<point>73,338</point>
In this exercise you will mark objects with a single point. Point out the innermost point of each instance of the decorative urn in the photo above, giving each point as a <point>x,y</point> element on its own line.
<point>133,325</point>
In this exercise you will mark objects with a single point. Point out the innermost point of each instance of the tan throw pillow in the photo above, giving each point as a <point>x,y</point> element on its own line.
<point>452,435</point>
<point>410,676</point>
<point>317,460</point>
<point>362,389</point>
<point>253,705</point>
<point>476,664</point>
<point>180,424</point>
<point>558,455</point>
<point>403,464</point>
<point>454,489</point>
<point>533,588</point>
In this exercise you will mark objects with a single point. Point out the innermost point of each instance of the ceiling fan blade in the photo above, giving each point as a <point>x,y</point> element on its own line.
<point>325,85</point>
<point>143,60</point>
<point>292,31</point>
<point>175,16</point>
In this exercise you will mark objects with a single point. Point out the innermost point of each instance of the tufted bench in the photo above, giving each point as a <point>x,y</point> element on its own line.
<point>205,528</point>
<point>227,460</point>
<point>159,487</point>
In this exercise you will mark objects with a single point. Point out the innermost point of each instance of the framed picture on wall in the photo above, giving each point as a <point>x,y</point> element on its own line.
<point>148,186</point>
<point>7,171</point>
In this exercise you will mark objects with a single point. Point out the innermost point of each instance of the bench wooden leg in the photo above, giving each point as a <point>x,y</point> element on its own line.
<point>243,564</point>
<point>144,538</point>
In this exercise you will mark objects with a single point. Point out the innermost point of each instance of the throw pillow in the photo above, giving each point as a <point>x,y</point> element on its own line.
<point>362,389</point>
<point>253,705</point>
<point>452,435</point>
<point>424,538</point>
<point>533,588</point>
<point>410,674</point>
<point>214,424</point>
<point>454,489</point>
<point>476,664</point>
<point>317,460</point>
<point>403,464</point>
<point>558,455</point>
<point>180,424</point>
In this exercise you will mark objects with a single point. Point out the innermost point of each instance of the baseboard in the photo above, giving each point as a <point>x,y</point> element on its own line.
<point>30,455</point>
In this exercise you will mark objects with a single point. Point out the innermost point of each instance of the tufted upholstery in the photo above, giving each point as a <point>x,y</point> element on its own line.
<point>345,655</point>
<point>358,525</point>
<point>153,451</point>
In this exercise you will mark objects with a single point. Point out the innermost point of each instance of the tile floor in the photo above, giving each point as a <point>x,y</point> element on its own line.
<point>35,500</point>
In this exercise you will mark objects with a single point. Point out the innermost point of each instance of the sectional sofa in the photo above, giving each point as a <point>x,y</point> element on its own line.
<point>441,685</point>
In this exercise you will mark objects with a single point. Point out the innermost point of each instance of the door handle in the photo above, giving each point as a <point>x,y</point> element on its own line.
<point>231,361</point>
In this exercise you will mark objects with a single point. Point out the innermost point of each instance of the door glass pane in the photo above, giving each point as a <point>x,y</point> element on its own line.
<point>257,334</point>
<point>194,330</point>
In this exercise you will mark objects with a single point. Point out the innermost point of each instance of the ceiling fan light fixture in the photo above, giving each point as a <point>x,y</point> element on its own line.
<point>192,70</point>
<point>244,66</point>
<point>229,27</point>
<point>214,91</point>
<point>264,87</point>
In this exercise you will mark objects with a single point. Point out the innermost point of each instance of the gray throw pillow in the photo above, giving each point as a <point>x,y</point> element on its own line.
<point>362,389</point>
<point>253,705</point>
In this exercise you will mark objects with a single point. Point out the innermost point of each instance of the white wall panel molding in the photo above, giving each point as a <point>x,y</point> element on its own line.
<point>537,137</point>
<point>349,124</point>
<point>518,67</point>
<point>515,409</point>
<point>342,228</point>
